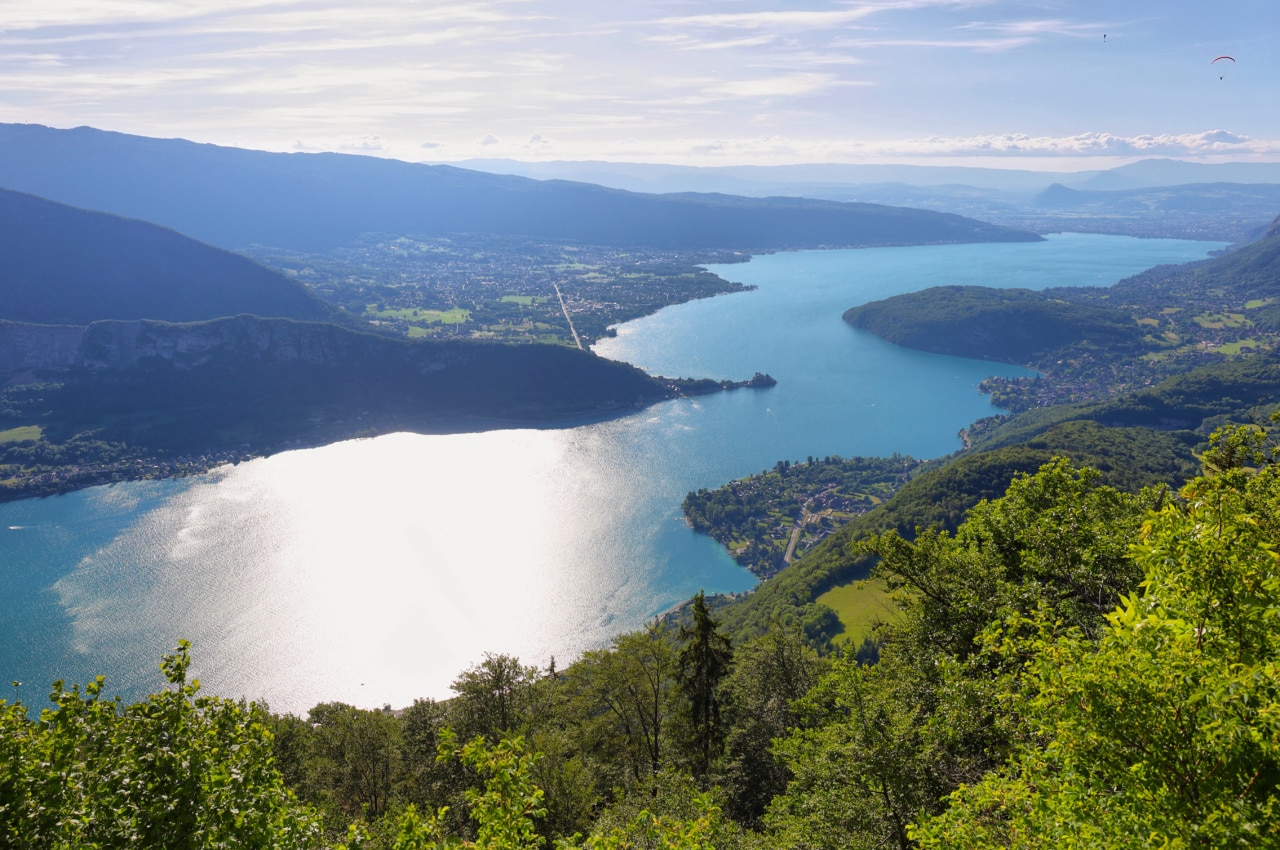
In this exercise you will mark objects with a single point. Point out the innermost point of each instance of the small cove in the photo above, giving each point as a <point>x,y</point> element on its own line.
<point>374,571</point>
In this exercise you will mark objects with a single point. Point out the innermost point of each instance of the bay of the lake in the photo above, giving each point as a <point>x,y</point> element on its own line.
<point>373,571</point>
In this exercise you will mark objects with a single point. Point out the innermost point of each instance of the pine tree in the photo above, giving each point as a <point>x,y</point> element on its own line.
<point>703,664</point>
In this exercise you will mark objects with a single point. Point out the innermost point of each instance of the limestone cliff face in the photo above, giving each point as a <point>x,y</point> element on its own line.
<point>238,339</point>
<point>122,345</point>
<point>27,347</point>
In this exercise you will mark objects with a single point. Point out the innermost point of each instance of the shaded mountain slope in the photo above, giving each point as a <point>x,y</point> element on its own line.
<point>62,265</point>
<point>315,202</point>
<point>123,400</point>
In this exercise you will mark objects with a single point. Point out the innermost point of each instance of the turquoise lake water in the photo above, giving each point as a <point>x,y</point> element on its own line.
<point>373,571</point>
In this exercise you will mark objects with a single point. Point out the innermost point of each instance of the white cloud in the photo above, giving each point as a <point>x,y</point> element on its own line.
<point>490,139</point>
<point>980,45</point>
<point>792,85</point>
<point>807,19</point>
<point>798,19</point>
<point>280,16</point>
<point>1054,26</point>
<point>1208,142</point>
<point>685,41</point>
<point>362,144</point>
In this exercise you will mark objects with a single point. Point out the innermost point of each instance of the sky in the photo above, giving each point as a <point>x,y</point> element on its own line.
<point>1055,84</point>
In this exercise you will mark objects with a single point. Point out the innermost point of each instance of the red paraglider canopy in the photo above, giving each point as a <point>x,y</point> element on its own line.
<point>1220,58</point>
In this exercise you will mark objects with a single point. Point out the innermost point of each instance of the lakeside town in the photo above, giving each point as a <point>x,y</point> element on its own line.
<point>503,289</point>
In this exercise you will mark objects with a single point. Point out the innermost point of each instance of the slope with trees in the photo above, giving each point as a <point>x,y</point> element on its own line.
<point>1073,666</point>
<point>136,398</point>
<point>1009,325</point>
<point>1091,343</point>
<point>67,266</point>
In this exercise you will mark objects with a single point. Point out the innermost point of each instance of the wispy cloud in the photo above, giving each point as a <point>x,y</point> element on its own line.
<point>790,85</point>
<point>269,16</point>
<point>685,41</point>
<point>773,21</point>
<point>808,19</point>
<point>982,45</point>
<point>1039,27</point>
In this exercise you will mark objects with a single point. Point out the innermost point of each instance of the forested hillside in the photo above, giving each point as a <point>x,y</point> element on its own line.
<point>1092,343</point>
<point>146,399</point>
<point>939,496</point>
<point>65,266</point>
<point>1073,666</point>
<point>1009,325</point>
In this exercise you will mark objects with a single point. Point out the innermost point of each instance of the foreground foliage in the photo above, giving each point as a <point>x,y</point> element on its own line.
<point>1166,730</point>
<point>178,770</point>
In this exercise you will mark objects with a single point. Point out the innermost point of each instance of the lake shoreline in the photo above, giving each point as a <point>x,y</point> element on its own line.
<point>202,461</point>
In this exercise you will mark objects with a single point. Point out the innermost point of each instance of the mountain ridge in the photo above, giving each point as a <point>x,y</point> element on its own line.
<point>61,264</point>
<point>316,201</point>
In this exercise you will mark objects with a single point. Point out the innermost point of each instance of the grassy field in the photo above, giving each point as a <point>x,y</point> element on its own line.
<point>24,432</point>
<point>1233,348</point>
<point>1218,321</point>
<point>523,300</point>
<point>860,605</point>
<point>443,317</point>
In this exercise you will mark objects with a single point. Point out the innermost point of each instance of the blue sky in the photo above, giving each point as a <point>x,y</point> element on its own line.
<point>1002,84</point>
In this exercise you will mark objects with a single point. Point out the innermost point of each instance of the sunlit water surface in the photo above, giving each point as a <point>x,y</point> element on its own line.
<point>373,571</point>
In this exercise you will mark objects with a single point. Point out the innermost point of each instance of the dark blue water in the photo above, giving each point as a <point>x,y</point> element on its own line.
<point>373,571</point>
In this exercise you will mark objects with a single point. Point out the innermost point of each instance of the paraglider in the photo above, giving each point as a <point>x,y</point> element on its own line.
<point>1219,59</point>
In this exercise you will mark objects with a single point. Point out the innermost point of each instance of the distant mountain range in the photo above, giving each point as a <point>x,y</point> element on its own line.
<point>1155,197</point>
<point>756,180</point>
<point>760,180</point>
<point>235,198</point>
<point>1150,173</point>
<point>1263,199</point>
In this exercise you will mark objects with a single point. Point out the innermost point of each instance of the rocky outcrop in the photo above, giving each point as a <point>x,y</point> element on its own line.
<point>24,348</point>
<point>122,345</point>
<point>222,342</point>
